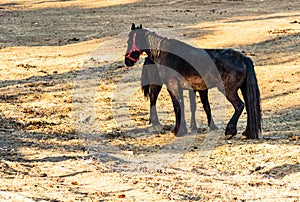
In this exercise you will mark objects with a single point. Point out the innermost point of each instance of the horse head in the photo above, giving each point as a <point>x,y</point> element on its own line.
<point>133,46</point>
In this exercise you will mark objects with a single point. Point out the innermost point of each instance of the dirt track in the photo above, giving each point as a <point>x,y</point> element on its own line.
<point>43,154</point>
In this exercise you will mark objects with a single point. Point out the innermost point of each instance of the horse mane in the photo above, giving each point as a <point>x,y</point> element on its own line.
<point>158,44</point>
<point>155,42</point>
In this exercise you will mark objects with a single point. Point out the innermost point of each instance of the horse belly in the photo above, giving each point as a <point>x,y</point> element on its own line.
<point>193,83</point>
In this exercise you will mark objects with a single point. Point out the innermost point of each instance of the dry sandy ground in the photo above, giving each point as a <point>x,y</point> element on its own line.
<point>73,131</point>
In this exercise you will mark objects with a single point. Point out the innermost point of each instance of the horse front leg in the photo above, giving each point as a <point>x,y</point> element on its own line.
<point>238,105</point>
<point>193,106</point>
<point>154,92</point>
<point>206,106</point>
<point>176,94</point>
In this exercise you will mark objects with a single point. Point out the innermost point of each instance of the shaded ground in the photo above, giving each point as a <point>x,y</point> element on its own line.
<point>43,154</point>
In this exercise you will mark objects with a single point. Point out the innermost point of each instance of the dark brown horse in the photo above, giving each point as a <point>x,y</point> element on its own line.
<point>183,66</point>
<point>151,86</point>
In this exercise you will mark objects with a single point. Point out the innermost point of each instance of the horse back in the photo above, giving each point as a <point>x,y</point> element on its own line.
<point>228,60</point>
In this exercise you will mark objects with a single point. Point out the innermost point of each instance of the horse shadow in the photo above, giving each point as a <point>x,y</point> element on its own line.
<point>280,172</point>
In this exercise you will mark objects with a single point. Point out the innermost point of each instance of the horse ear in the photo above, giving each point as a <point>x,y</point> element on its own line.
<point>141,26</point>
<point>132,26</point>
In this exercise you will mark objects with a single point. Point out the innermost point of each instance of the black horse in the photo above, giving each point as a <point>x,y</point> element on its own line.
<point>151,86</point>
<point>183,66</point>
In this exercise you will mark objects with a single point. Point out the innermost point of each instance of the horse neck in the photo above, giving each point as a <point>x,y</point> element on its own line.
<point>155,45</point>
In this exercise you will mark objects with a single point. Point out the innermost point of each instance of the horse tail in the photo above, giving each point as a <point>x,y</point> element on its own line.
<point>251,96</point>
<point>145,79</point>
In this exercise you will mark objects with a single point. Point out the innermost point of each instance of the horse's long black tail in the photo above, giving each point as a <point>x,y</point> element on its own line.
<point>251,96</point>
<point>145,79</point>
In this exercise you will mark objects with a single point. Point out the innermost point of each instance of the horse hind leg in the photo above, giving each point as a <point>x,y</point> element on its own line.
<point>237,103</point>
<point>151,85</point>
<point>206,106</point>
<point>176,94</point>
<point>154,92</point>
<point>193,106</point>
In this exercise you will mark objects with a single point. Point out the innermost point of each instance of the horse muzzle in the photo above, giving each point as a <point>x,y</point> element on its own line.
<point>129,62</point>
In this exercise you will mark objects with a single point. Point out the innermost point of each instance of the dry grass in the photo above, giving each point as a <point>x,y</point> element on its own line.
<point>44,155</point>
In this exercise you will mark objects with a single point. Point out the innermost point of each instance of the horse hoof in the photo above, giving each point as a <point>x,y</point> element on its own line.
<point>182,132</point>
<point>229,136</point>
<point>243,137</point>
<point>156,129</point>
<point>213,127</point>
<point>194,129</point>
<point>230,132</point>
<point>179,133</point>
<point>247,135</point>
